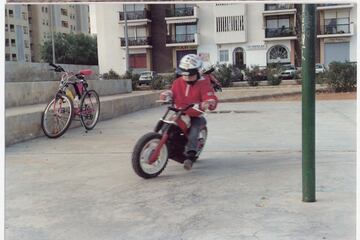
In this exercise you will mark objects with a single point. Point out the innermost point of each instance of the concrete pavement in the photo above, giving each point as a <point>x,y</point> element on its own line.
<point>246,185</point>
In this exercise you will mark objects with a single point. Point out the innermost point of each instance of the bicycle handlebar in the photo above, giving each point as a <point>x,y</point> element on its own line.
<point>58,68</point>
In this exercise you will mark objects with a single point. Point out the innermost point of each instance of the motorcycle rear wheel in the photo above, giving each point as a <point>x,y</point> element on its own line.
<point>143,149</point>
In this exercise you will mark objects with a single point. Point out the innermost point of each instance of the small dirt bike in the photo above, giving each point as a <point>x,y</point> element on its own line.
<point>59,113</point>
<point>152,151</point>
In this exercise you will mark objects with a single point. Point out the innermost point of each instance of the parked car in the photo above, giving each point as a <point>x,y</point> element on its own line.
<point>319,68</point>
<point>288,71</point>
<point>146,77</point>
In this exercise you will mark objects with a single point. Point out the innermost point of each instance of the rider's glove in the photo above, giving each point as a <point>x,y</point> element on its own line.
<point>166,95</point>
<point>208,104</point>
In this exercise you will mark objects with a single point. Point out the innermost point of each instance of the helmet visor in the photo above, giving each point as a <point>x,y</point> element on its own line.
<point>188,72</point>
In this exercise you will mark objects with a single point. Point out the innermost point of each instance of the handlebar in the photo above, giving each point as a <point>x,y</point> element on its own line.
<point>182,109</point>
<point>58,68</point>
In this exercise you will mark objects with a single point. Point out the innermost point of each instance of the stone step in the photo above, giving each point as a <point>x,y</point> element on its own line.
<point>24,123</point>
<point>19,94</point>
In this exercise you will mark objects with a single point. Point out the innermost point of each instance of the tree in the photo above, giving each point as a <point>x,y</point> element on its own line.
<point>71,49</point>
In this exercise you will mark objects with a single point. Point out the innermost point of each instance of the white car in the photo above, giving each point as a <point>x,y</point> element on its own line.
<point>146,77</point>
<point>319,68</point>
<point>288,71</point>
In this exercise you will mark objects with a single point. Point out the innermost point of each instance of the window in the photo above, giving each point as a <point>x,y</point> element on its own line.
<point>11,13</point>
<point>26,43</point>
<point>43,21</point>
<point>230,23</point>
<point>13,44</point>
<point>64,24</point>
<point>134,7</point>
<point>12,28</point>
<point>6,42</point>
<point>26,58</point>
<point>46,9</point>
<point>6,27</point>
<point>7,57</point>
<point>278,53</point>
<point>278,22</point>
<point>137,60</point>
<point>64,12</point>
<point>14,57</point>
<point>185,33</point>
<point>25,30</point>
<point>5,12</point>
<point>224,55</point>
<point>24,15</point>
<point>337,22</point>
<point>42,9</point>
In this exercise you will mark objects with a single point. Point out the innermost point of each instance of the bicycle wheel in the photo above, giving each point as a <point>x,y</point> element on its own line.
<point>90,109</point>
<point>57,116</point>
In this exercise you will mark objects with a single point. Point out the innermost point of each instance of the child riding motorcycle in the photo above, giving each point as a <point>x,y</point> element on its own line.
<point>192,88</point>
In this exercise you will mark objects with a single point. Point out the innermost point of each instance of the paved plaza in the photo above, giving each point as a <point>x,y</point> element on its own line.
<point>246,184</point>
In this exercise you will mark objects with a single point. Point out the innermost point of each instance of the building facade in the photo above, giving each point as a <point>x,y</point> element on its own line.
<point>32,26</point>
<point>17,36</point>
<point>336,33</point>
<point>244,35</point>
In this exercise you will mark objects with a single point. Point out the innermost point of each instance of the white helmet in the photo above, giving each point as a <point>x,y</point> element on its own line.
<point>190,64</point>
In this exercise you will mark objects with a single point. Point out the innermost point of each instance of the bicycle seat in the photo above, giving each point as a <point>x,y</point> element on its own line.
<point>86,72</point>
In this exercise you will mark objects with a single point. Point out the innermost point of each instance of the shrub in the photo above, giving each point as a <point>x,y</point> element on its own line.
<point>321,78</point>
<point>158,83</point>
<point>227,74</point>
<point>134,78</point>
<point>273,76</point>
<point>253,76</point>
<point>111,75</point>
<point>342,76</point>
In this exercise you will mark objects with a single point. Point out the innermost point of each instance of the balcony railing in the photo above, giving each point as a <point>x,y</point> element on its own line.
<point>335,29</point>
<point>180,38</point>
<point>180,12</point>
<point>332,4</point>
<point>279,32</point>
<point>136,15</point>
<point>274,7</point>
<point>139,41</point>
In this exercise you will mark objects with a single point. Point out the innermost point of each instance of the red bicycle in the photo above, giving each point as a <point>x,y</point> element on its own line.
<point>64,107</point>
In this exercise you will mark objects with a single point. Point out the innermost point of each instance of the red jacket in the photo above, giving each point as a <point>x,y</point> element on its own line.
<point>185,94</point>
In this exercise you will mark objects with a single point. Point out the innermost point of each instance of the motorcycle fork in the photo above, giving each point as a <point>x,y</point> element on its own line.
<point>163,140</point>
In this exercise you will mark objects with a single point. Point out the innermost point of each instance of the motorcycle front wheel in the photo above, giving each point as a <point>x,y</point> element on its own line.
<point>143,149</point>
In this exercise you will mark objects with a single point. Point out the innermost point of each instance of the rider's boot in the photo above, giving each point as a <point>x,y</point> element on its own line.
<point>190,155</point>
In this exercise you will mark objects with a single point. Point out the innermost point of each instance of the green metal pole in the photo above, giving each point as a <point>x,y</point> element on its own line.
<point>308,101</point>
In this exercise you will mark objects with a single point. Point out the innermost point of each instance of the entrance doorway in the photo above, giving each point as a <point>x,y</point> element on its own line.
<point>239,58</point>
<point>180,54</point>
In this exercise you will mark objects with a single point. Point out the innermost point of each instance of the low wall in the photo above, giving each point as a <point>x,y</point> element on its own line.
<point>25,123</point>
<point>32,72</point>
<point>28,93</point>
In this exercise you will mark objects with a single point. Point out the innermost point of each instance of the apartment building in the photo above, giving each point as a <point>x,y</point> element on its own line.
<point>241,34</point>
<point>17,37</point>
<point>336,33</point>
<point>59,18</point>
<point>29,26</point>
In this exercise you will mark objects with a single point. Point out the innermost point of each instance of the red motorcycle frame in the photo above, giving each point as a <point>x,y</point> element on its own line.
<point>152,151</point>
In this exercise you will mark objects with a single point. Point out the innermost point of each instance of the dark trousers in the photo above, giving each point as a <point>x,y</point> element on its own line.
<point>196,123</point>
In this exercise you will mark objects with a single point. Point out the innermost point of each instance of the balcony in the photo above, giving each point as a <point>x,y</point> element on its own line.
<point>279,9</point>
<point>280,33</point>
<point>182,40</point>
<point>336,30</point>
<point>181,15</point>
<point>138,42</point>
<point>330,6</point>
<point>136,17</point>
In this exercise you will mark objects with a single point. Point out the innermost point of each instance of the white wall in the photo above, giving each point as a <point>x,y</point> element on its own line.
<point>353,44</point>
<point>206,28</point>
<point>110,54</point>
